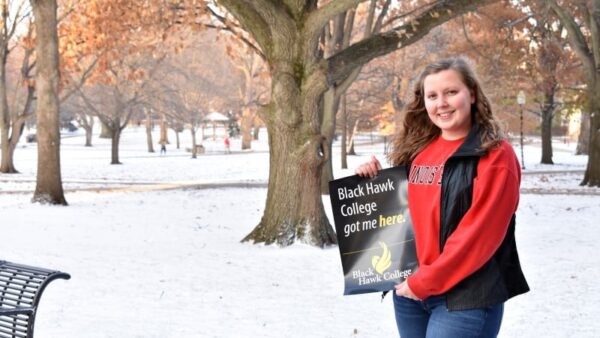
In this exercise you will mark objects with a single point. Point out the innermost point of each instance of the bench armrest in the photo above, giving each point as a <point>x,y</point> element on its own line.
<point>15,311</point>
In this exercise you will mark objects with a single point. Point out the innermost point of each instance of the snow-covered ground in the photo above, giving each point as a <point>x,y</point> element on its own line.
<point>148,260</point>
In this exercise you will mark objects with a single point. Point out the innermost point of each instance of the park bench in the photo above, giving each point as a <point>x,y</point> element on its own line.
<point>21,288</point>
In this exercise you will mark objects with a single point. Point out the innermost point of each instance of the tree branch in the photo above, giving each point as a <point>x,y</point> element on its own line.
<point>317,19</point>
<point>575,36</point>
<point>340,64</point>
<point>230,27</point>
<point>595,30</point>
<point>252,21</point>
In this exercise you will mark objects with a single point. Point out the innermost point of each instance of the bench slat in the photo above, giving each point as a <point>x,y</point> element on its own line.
<point>10,334</point>
<point>12,301</point>
<point>17,292</point>
<point>21,279</point>
<point>19,328</point>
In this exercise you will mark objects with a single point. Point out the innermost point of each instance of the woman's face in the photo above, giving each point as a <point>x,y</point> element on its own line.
<point>448,103</point>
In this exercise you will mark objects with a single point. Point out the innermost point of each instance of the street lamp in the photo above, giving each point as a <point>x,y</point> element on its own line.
<point>521,102</point>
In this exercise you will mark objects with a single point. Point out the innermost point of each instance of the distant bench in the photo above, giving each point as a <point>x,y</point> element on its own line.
<point>21,288</point>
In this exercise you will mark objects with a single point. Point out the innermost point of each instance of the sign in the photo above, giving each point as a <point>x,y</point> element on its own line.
<point>374,230</point>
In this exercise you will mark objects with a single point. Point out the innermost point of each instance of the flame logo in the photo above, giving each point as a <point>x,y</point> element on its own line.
<point>382,263</point>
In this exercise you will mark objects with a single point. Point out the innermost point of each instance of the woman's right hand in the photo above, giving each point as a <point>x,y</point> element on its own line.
<point>369,169</point>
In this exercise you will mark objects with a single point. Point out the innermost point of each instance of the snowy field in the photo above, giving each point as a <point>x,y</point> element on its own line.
<point>153,248</point>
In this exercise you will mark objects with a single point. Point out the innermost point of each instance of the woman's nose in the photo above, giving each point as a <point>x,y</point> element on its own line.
<point>442,101</point>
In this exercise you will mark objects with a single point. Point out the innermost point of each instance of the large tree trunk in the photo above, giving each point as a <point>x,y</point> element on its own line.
<point>49,182</point>
<point>294,211</point>
<point>114,149</point>
<point>592,172</point>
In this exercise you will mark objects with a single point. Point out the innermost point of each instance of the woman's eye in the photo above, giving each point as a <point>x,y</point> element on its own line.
<point>431,97</point>
<point>452,92</point>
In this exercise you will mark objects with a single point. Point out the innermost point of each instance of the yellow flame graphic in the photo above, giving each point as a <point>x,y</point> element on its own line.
<point>382,263</point>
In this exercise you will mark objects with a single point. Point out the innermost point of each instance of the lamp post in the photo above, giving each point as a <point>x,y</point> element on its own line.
<point>521,102</point>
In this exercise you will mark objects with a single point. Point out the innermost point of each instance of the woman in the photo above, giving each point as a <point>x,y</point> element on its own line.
<point>463,192</point>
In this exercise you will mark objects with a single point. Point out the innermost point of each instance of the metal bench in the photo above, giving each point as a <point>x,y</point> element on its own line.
<point>21,288</point>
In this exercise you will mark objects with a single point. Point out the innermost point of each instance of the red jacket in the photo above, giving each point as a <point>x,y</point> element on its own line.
<point>480,231</point>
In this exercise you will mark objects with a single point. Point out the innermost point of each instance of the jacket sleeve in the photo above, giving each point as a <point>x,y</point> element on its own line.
<point>479,233</point>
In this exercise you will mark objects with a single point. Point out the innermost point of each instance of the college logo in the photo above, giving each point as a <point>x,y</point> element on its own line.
<point>383,262</point>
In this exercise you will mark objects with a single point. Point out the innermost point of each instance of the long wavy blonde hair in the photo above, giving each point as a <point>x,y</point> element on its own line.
<point>417,129</point>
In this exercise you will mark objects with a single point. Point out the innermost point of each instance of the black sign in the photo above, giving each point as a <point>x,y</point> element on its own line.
<point>374,230</point>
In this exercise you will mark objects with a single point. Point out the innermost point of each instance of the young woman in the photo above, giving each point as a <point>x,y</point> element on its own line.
<point>463,192</point>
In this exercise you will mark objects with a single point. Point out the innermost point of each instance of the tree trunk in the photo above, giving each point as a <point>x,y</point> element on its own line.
<point>330,107</point>
<point>115,137</point>
<point>547,116</point>
<point>88,127</point>
<point>16,131</point>
<point>149,133</point>
<point>164,138</point>
<point>351,150</point>
<point>104,130</point>
<point>8,159</point>
<point>255,132</point>
<point>88,136</point>
<point>592,172</point>
<point>49,182</point>
<point>344,133</point>
<point>583,141</point>
<point>294,211</point>
<point>6,165</point>
<point>246,128</point>
<point>177,138</point>
<point>194,150</point>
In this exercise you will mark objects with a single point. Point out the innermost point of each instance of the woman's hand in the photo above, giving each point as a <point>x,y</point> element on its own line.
<point>369,169</point>
<point>403,290</point>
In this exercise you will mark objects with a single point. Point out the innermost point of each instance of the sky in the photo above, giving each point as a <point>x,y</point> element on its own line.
<point>153,247</point>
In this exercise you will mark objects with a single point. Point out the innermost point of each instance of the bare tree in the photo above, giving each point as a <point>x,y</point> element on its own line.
<point>12,121</point>
<point>48,187</point>
<point>115,103</point>
<point>289,35</point>
<point>584,38</point>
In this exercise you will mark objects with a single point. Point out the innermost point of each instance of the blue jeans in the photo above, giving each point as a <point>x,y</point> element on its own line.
<point>431,319</point>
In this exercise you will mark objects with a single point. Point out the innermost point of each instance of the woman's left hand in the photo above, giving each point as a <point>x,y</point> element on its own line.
<point>403,290</point>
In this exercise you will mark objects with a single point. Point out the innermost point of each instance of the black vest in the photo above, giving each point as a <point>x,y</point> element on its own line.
<point>501,277</point>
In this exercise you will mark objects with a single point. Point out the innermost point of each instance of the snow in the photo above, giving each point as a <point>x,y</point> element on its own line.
<point>153,248</point>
